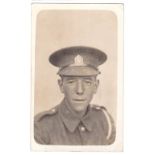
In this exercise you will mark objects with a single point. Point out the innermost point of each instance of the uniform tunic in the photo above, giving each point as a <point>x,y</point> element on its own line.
<point>62,126</point>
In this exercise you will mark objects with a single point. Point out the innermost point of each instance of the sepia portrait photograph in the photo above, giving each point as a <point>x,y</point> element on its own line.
<point>77,77</point>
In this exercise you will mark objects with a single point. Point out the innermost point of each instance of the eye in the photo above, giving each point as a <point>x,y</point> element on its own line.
<point>89,82</point>
<point>70,81</point>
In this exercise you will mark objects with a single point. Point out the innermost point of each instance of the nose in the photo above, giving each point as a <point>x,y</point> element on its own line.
<point>79,87</point>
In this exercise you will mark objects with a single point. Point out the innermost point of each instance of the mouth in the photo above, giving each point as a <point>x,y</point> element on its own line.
<point>79,100</point>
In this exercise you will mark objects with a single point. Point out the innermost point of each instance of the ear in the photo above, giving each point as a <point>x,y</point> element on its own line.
<point>96,86</point>
<point>60,83</point>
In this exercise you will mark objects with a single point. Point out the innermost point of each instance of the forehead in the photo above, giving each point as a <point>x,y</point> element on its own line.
<point>78,77</point>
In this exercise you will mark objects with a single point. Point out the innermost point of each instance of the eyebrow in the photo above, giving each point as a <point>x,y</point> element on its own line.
<point>70,79</point>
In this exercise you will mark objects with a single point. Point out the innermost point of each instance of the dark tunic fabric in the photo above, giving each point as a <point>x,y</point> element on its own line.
<point>61,126</point>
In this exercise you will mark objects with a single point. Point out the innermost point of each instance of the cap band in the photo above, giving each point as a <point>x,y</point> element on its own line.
<point>78,71</point>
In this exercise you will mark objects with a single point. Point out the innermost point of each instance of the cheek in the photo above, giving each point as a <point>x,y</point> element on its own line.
<point>68,90</point>
<point>90,91</point>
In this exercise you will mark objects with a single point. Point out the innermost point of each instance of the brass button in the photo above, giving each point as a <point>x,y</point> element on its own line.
<point>82,128</point>
<point>98,108</point>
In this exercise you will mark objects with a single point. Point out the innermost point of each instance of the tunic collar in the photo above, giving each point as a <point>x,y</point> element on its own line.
<point>71,119</point>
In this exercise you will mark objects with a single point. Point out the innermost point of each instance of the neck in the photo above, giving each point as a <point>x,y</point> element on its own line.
<point>81,113</point>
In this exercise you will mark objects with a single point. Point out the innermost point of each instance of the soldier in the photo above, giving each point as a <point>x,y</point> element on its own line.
<point>75,121</point>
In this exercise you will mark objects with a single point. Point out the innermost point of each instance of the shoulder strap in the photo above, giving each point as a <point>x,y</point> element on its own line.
<point>41,115</point>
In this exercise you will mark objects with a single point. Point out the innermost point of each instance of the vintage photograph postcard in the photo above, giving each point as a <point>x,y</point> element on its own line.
<point>77,77</point>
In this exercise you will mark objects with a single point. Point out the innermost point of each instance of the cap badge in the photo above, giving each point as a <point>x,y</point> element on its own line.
<point>78,61</point>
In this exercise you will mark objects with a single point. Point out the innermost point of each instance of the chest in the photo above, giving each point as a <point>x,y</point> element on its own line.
<point>59,134</point>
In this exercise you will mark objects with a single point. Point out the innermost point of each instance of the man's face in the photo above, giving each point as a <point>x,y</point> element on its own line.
<point>78,91</point>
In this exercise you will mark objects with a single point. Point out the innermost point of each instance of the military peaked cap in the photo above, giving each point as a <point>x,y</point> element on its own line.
<point>78,60</point>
